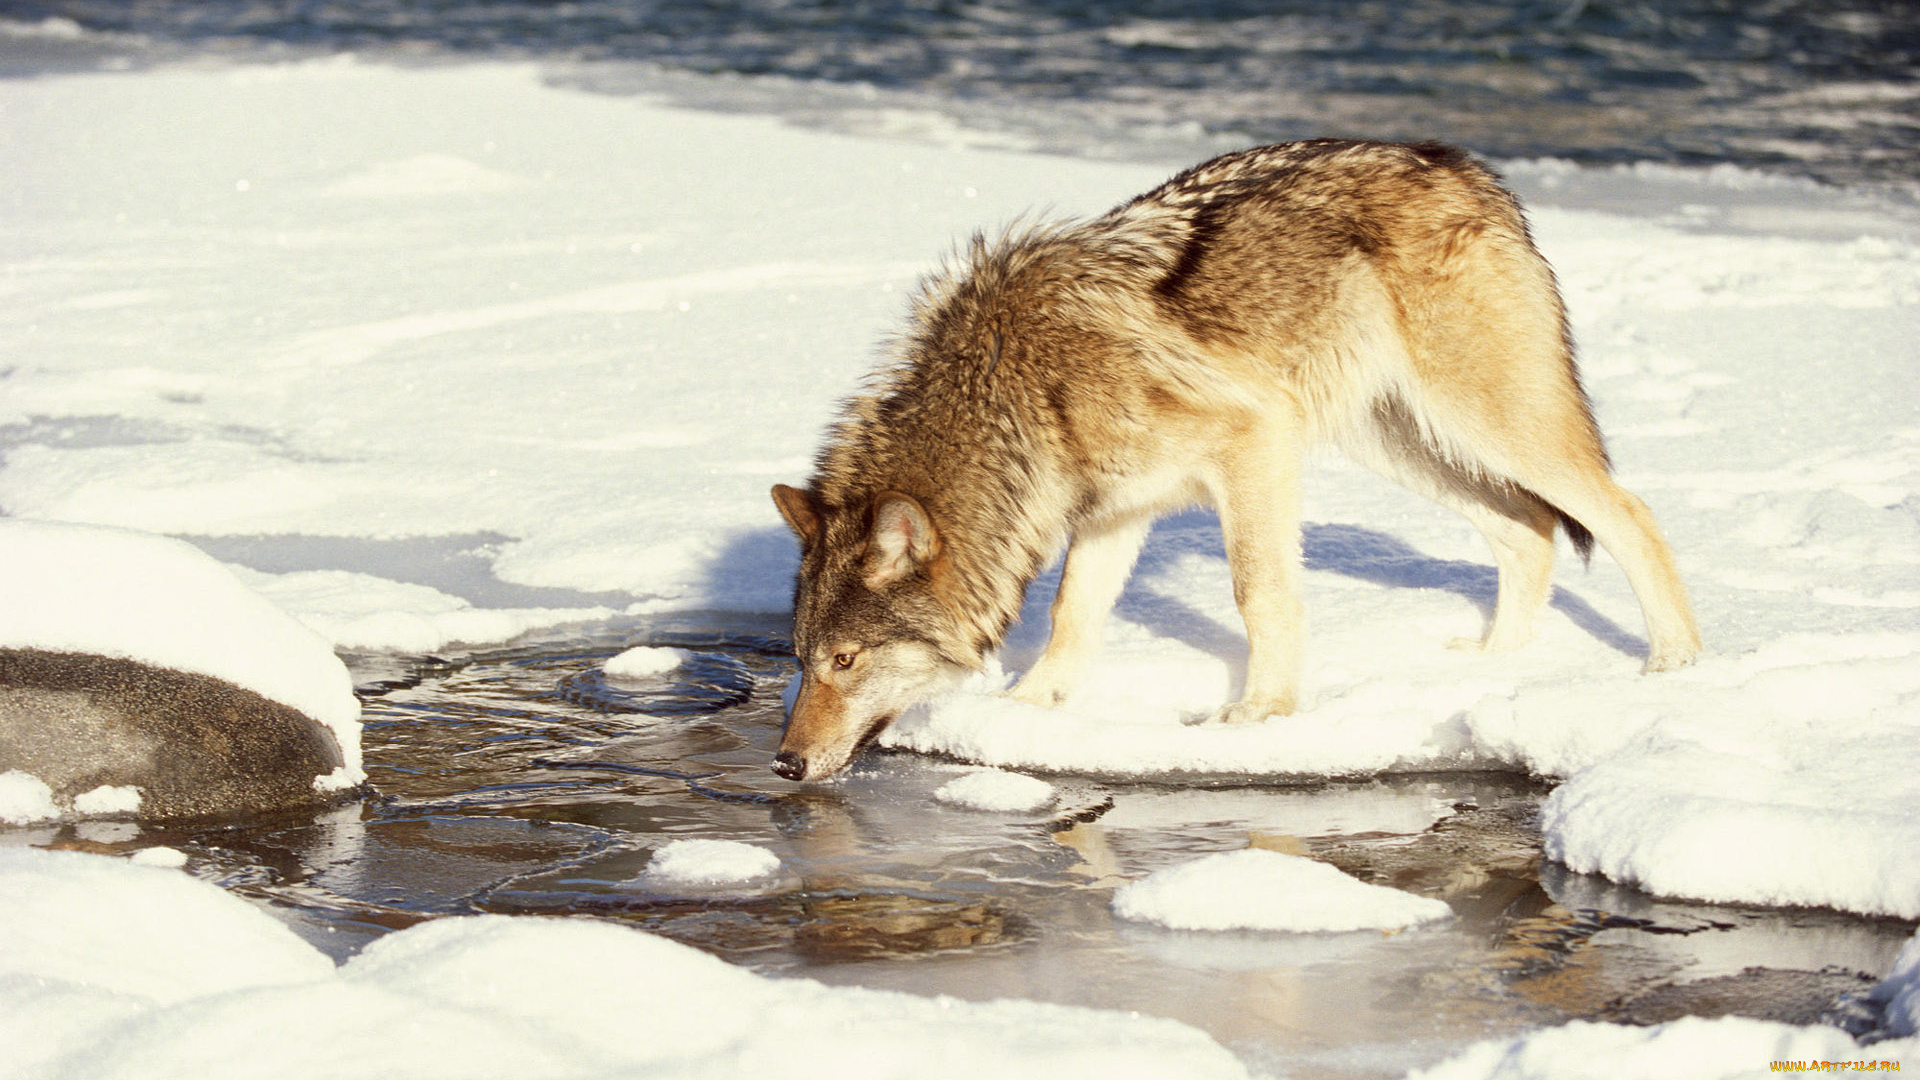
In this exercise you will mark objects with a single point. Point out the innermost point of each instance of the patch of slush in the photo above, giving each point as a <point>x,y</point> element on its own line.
<point>1266,890</point>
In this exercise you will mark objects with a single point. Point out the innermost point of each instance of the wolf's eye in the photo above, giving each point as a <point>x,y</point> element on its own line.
<point>842,661</point>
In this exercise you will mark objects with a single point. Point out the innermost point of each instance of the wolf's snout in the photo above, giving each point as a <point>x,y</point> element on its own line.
<point>788,765</point>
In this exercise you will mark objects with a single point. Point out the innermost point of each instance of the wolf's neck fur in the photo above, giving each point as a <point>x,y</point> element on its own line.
<point>969,421</point>
<point>994,502</point>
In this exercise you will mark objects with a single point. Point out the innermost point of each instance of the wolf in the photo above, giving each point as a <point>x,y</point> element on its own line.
<point>1063,385</point>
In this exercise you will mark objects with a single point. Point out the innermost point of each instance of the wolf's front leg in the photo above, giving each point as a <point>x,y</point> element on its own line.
<point>1258,495</point>
<point>1098,562</point>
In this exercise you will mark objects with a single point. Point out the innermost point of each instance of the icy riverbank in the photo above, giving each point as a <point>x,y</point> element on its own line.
<point>449,354</point>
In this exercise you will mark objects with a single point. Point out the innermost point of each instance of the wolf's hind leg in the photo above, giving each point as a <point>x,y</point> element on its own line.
<point>1551,450</point>
<point>1625,527</point>
<point>1098,563</point>
<point>1517,525</point>
<point>1520,532</point>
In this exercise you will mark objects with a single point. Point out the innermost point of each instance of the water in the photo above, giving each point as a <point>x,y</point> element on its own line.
<point>1821,88</point>
<point>523,781</point>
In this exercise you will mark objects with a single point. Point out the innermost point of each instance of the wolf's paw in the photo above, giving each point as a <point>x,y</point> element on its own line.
<point>1502,636</point>
<point>1041,692</point>
<point>1253,711</point>
<point>1670,661</point>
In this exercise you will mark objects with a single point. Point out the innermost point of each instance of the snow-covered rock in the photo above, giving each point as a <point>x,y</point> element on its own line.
<point>138,675</point>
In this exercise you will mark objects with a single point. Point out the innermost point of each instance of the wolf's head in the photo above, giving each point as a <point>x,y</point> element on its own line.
<point>869,628</point>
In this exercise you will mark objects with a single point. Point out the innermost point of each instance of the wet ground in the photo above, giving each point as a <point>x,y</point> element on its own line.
<point>524,781</point>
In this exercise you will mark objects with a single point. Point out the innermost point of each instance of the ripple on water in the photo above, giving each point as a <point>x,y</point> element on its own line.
<point>705,682</point>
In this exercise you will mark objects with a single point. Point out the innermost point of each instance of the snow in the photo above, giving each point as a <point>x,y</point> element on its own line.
<point>25,798</point>
<point>162,602</point>
<point>710,862</point>
<point>108,799</point>
<point>109,969</point>
<point>1256,889</point>
<point>645,661</point>
<point>362,611</point>
<point>171,858</point>
<point>139,933</point>
<point>445,355</point>
<point>997,790</point>
<point>1729,1048</point>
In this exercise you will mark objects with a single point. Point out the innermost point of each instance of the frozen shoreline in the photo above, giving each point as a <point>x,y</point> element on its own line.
<point>450,355</point>
<point>419,360</point>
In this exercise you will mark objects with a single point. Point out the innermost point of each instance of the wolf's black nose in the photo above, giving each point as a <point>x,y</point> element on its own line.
<point>789,765</point>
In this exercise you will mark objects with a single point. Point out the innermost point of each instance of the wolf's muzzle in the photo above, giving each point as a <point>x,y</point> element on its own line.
<point>788,765</point>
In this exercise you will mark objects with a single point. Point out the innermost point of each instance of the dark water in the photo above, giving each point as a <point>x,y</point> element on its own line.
<point>1822,88</point>
<point>524,781</point>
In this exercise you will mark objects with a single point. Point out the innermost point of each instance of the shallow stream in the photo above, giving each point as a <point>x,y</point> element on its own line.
<point>523,781</point>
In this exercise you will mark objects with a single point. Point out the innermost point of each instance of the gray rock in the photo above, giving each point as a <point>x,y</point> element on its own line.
<point>195,746</point>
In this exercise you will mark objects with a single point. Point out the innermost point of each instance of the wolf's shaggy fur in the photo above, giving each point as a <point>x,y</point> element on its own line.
<point>1073,382</point>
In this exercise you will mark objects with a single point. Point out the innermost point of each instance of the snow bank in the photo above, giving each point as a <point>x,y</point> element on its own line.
<point>111,592</point>
<point>997,790</point>
<point>1266,890</point>
<point>645,661</point>
<point>113,970</point>
<point>710,862</point>
<point>1788,774</point>
<point>1729,1048</point>
<point>146,935</point>
<point>1792,786</point>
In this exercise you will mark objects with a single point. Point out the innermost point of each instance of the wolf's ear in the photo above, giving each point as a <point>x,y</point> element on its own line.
<point>797,507</point>
<point>902,541</point>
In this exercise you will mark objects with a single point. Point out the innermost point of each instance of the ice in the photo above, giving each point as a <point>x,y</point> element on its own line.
<point>1268,890</point>
<point>645,661</point>
<point>997,790</point>
<point>109,970</point>
<point>710,862</point>
<point>115,592</point>
<point>1898,995</point>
